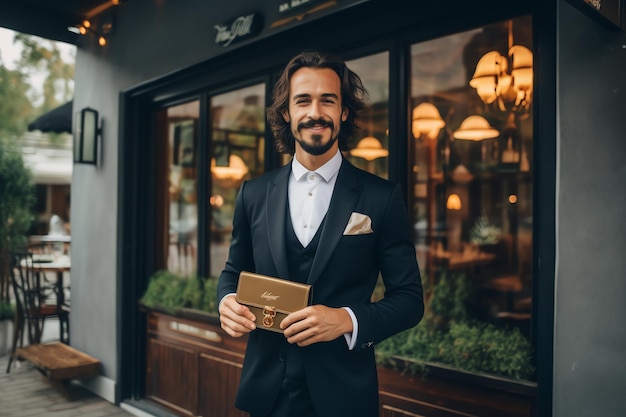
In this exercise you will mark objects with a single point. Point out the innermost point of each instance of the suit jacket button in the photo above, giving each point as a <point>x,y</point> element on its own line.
<point>281,357</point>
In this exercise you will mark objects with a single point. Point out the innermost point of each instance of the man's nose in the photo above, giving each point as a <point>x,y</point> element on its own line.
<point>315,110</point>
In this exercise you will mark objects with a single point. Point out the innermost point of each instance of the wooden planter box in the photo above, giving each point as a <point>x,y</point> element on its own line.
<point>447,392</point>
<point>193,369</point>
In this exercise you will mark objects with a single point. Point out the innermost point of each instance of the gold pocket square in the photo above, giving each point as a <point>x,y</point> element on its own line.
<point>359,224</point>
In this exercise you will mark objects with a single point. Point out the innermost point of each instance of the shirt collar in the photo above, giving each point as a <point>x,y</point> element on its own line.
<point>326,171</point>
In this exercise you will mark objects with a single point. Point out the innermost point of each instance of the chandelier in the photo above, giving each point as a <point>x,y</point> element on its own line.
<point>505,80</point>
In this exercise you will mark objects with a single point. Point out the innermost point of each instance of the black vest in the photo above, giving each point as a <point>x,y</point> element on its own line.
<point>299,261</point>
<point>299,258</point>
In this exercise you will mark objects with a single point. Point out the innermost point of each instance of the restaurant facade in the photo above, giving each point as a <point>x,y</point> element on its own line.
<point>503,123</point>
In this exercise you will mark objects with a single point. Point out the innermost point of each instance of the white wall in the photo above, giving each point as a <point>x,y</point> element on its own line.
<point>590,334</point>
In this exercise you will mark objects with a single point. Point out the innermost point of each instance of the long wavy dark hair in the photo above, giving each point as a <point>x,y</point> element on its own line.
<point>353,94</point>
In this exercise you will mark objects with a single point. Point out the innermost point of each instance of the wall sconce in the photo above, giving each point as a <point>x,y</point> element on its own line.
<point>475,128</point>
<point>369,148</point>
<point>86,133</point>
<point>427,121</point>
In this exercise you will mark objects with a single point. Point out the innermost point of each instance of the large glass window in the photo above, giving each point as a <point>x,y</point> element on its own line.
<point>471,194</point>
<point>180,205</point>
<point>237,153</point>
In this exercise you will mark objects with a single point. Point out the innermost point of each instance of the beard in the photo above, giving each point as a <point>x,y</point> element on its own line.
<point>317,147</point>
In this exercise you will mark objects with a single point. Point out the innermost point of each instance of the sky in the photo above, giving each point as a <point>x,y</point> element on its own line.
<point>8,51</point>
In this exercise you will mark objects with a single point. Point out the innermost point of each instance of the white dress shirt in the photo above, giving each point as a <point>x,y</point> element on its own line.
<point>309,194</point>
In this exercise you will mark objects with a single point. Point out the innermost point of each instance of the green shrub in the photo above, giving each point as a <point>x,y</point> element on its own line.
<point>448,336</point>
<point>470,346</point>
<point>16,198</point>
<point>483,347</point>
<point>173,292</point>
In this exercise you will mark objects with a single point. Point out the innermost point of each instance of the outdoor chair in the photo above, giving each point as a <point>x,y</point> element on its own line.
<point>36,301</point>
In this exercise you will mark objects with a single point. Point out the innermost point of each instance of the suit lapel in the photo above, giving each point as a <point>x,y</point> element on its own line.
<point>276,212</point>
<point>337,217</point>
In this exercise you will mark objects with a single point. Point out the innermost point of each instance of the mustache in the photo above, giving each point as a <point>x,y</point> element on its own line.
<point>316,122</point>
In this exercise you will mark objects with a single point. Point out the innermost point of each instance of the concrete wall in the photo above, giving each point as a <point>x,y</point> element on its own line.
<point>590,334</point>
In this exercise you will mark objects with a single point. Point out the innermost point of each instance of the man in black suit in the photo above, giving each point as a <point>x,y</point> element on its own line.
<point>320,220</point>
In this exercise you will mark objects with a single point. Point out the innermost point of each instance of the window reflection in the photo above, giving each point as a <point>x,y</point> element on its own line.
<point>471,182</point>
<point>181,205</point>
<point>372,150</point>
<point>238,147</point>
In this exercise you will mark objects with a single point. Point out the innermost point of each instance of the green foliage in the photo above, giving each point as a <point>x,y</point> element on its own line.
<point>6,310</point>
<point>471,346</point>
<point>448,336</point>
<point>15,108</point>
<point>16,199</point>
<point>210,295</point>
<point>18,96</point>
<point>483,347</point>
<point>173,292</point>
<point>451,298</point>
<point>45,56</point>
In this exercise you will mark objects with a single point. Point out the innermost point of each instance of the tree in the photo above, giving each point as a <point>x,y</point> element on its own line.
<point>15,107</point>
<point>45,56</point>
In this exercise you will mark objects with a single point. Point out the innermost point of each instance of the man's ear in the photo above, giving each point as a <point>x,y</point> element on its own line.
<point>286,115</point>
<point>344,114</point>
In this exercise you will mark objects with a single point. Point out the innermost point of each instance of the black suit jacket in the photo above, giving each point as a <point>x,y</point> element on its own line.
<point>345,270</point>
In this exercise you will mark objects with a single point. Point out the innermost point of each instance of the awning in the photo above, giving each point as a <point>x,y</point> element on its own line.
<point>57,120</point>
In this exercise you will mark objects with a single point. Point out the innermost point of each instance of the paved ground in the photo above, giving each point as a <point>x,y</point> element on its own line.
<point>25,392</point>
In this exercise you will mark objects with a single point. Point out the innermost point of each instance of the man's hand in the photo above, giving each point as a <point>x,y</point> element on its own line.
<point>316,323</point>
<point>236,319</point>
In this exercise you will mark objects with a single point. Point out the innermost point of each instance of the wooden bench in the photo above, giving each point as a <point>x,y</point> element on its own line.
<point>60,363</point>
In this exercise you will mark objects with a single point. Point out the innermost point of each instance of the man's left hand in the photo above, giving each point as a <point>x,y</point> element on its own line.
<point>316,323</point>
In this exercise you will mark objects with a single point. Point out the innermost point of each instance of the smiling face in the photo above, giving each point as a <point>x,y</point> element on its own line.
<point>315,113</point>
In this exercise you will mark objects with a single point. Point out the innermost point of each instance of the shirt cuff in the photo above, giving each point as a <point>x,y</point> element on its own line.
<point>222,300</point>
<point>351,337</point>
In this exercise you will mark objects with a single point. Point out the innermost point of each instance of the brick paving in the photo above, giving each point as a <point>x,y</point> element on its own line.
<point>25,392</point>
